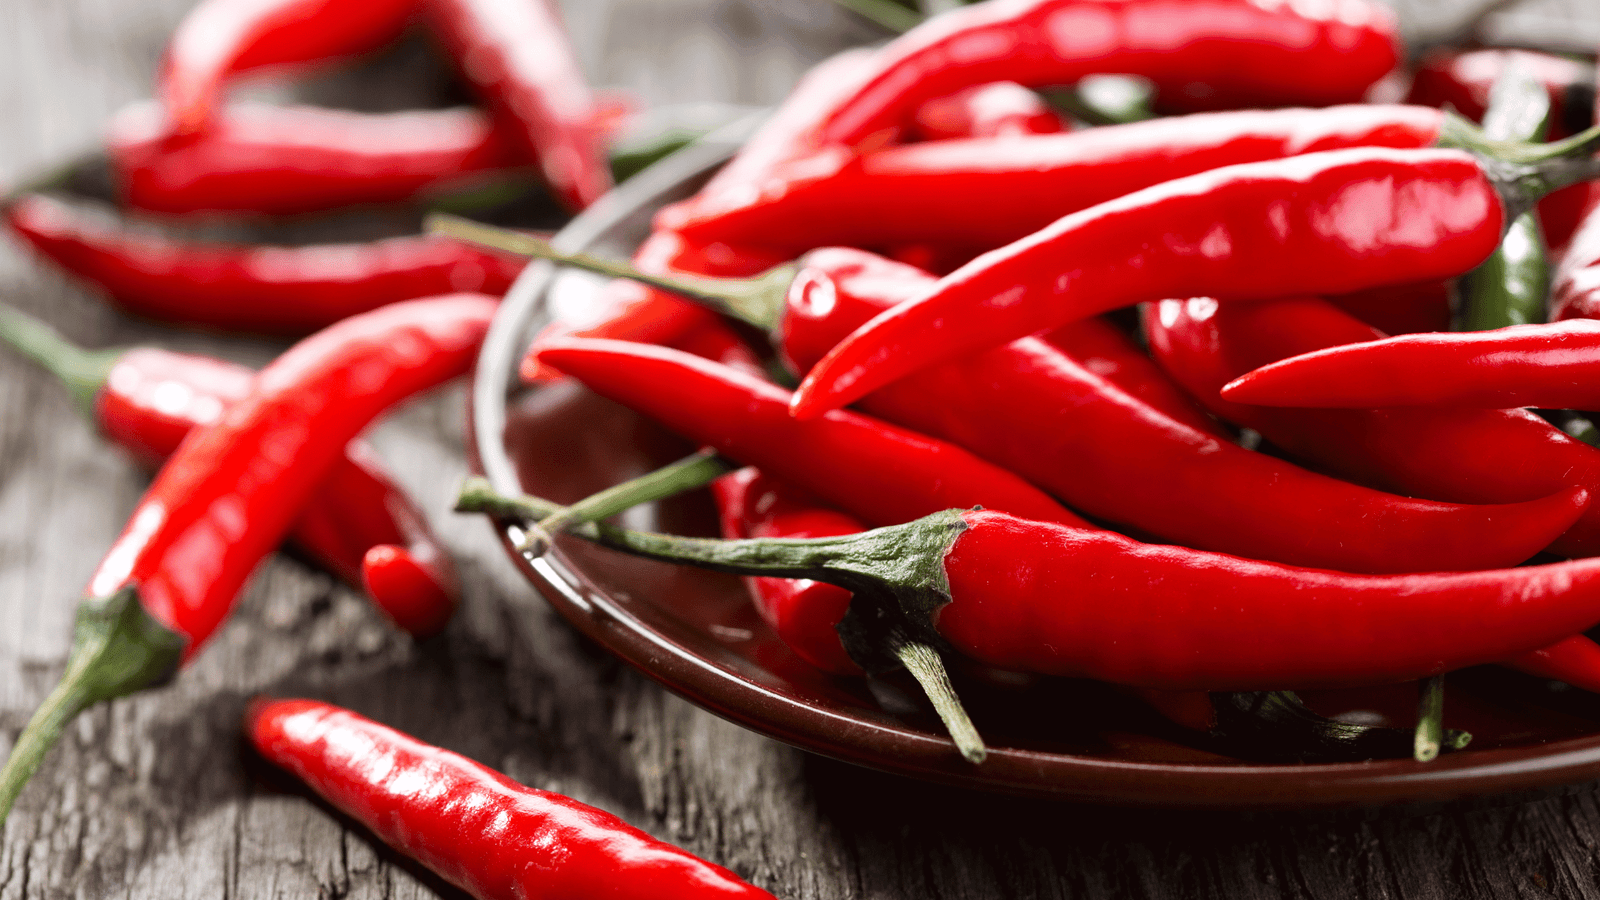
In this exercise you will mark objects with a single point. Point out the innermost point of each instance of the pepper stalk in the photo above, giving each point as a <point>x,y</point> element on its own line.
<point>896,574</point>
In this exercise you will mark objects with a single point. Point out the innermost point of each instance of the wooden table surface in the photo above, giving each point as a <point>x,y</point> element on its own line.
<point>152,796</point>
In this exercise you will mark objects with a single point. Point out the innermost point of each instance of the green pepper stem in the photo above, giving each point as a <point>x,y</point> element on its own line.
<point>890,16</point>
<point>896,574</point>
<point>757,301</point>
<point>83,371</point>
<point>1430,736</point>
<point>693,471</point>
<point>1277,726</point>
<point>117,648</point>
<point>1522,173</point>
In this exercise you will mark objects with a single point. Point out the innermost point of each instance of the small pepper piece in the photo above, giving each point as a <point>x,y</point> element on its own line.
<point>265,290</point>
<point>229,495</point>
<point>474,827</point>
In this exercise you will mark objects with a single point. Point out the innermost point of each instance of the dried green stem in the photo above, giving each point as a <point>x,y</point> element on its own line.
<point>1430,736</point>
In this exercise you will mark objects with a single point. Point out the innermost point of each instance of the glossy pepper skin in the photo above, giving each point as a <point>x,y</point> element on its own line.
<point>1516,455</point>
<point>1201,54</point>
<point>477,829</point>
<point>928,192</point>
<point>1035,410</point>
<point>805,613</point>
<point>265,290</point>
<point>1554,366</point>
<point>516,53</point>
<point>221,37</point>
<point>1001,109</point>
<point>1369,629</point>
<point>1330,222</point>
<point>286,160</point>
<point>879,472</point>
<point>229,495</point>
<point>153,398</point>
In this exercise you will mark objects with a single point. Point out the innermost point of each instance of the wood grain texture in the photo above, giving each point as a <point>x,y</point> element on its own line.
<point>153,797</point>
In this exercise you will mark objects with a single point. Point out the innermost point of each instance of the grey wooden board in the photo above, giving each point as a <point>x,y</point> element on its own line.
<point>152,797</point>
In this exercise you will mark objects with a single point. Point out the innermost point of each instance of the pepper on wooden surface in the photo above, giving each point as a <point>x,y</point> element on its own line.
<point>146,400</point>
<point>476,828</point>
<point>230,493</point>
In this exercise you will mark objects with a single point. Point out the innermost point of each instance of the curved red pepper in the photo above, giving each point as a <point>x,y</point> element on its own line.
<point>1200,54</point>
<point>220,37</point>
<point>882,473</point>
<point>277,160</point>
<point>1330,222</point>
<point>1001,109</point>
<point>517,54</point>
<point>932,192</point>
<point>803,612</point>
<point>1554,366</point>
<point>228,496</point>
<point>268,290</point>
<point>1514,454</point>
<point>479,830</point>
<point>1461,79</point>
<point>1575,286</point>
<point>1104,351</point>
<point>152,398</point>
<point>1035,410</point>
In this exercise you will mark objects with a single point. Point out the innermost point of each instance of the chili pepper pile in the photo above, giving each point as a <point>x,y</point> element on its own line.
<point>1025,484</point>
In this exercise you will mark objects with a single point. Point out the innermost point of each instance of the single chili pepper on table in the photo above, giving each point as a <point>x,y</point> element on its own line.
<point>1331,222</point>
<point>519,58</point>
<point>285,160</point>
<point>474,827</point>
<point>1555,366</point>
<point>228,496</point>
<point>1418,452</point>
<point>1033,409</point>
<point>146,400</point>
<point>1058,600</point>
<point>928,192</point>
<point>267,290</point>
<point>219,38</point>
<point>1210,54</point>
<point>880,472</point>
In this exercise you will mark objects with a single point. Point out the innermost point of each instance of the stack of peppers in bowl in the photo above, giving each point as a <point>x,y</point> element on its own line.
<point>920,234</point>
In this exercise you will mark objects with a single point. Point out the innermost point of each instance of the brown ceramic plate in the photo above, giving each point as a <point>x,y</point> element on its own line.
<point>697,633</point>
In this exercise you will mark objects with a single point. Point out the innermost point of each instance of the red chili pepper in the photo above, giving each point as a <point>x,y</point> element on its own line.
<point>1554,366</point>
<point>228,496</point>
<point>1330,222</point>
<point>1513,455</point>
<point>1461,79</point>
<point>1401,308</point>
<point>221,37</point>
<point>276,160</point>
<point>1058,600</point>
<point>518,56</point>
<point>929,192</point>
<point>877,471</point>
<point>268,290</point>
<point>1035,410</point>
<point>1105,351</point>
<point>803,612</point>
<point>477,829</point>
<point>146,399</point>
<point>1575,287</point>
<point>1202,54</point>
<point>1001,109</point>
